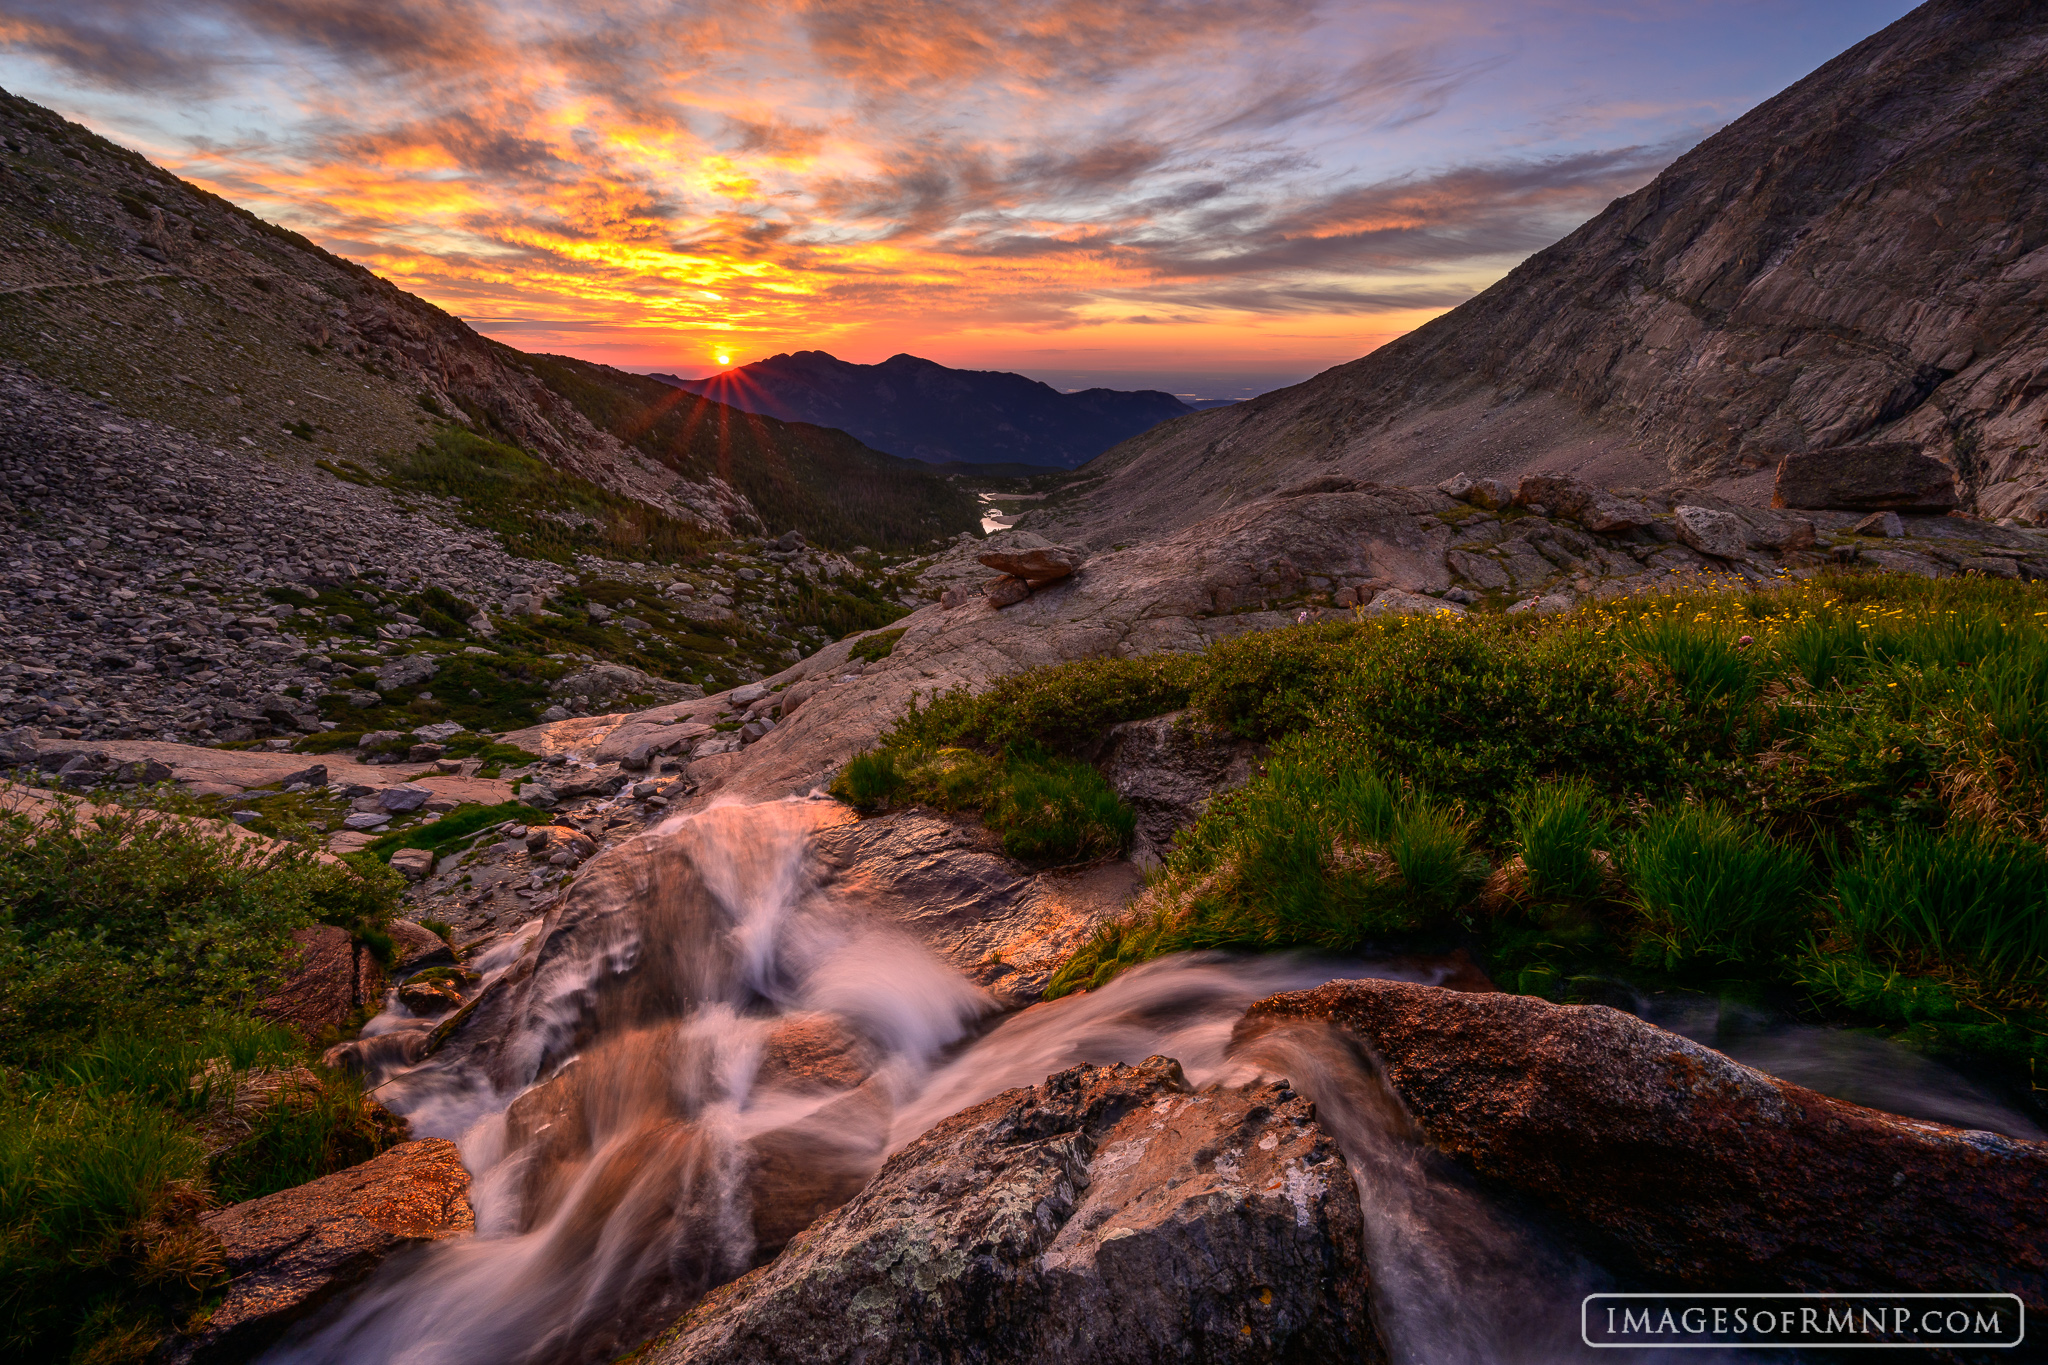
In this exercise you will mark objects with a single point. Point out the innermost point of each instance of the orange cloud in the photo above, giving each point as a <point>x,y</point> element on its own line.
<point>657,183</point>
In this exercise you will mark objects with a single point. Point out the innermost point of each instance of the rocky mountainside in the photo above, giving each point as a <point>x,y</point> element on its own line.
<point>120,281</point>
<point>1861,259</point>
<point>923,409</point>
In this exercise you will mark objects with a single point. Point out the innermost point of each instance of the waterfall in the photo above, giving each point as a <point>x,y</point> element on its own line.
<point>703,1050</point>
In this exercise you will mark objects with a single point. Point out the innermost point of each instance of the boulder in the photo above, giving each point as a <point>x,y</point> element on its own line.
<point>606,683</point>
<point>545,841</point>
<point>1698,1170</point>
<point>17,746</point>
<point>1892,476</point>
<point>315,776</point>
<point>1885,524</point>
<point>1476,569</point>
<point>1395,602</point>
<point>365,819</point>
<point>409,670</point>
<point>1720,534</point>
<point>403,797</point>
<point>1490,494</point>
<point>430,999</point>
<point>417,946</point>
<point>812,1052</point>
<point>1036,565</point>
<point>335,977</point>
<point>1544,604</point>
<point>439,732</point>
<point>1108,1215</point>
<point>947,882</point>
<point>1576,500</point>
<point>1005,591</point>
<point>290,1252</point>
<point>416,864</point>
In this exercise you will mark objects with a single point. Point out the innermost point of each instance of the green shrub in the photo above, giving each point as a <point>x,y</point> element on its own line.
<point>876,647</point>
<point>1058,811</point>
<point>1558,827</point>
<point>91,1256</point>
<point>1064,709</point>
<point>119,911</point>
<point>868,780</point>
<point>1432,847</point>
<point>1713,889</point>
<point>454,827</point>
<point>299,1137</point>
<point>1047,809</point>
<point>1967,897</point>
<point>130,943</point>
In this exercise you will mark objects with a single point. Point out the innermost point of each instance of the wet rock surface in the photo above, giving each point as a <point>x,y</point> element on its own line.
<point>291,1252</point>
<point>1106,1215</point>
<point>948,884</point>
<point>1694,1168</point>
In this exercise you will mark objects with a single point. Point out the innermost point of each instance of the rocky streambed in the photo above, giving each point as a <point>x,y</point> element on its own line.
<point>752,1091</point>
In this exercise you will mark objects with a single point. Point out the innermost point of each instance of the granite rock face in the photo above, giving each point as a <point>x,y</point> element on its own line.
<point>1107,1215</point>
<point>1167,768</point>
<point>291,1252</point>
<point>335,977</point>
<point>1860,259</point>
<point>1697,1169</point>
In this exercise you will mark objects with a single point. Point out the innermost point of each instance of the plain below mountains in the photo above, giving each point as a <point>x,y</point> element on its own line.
<point>919,408</point>
<point>1860,259</point>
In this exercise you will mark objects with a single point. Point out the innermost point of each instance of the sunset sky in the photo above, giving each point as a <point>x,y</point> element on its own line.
<point>1214,197</point>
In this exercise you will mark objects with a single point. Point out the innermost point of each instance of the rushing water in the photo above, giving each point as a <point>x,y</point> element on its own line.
<point>639,1133</point>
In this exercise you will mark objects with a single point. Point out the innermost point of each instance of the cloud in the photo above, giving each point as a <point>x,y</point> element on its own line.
<point>792,167</point>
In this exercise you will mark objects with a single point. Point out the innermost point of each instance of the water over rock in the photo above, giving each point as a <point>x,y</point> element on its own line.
<point>1107,1215</point>
<point>1693,1167</point>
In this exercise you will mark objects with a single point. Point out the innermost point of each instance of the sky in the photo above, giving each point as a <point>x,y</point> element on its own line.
<point>1213,197</point>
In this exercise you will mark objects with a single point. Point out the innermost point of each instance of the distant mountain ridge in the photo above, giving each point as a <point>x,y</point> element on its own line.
<point>927,411</point>
<point>1862,258</point>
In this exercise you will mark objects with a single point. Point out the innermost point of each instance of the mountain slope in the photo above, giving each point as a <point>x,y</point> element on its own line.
<point>820,479</point>
<point>1859,258</point>
<point>925,410</point>
<point>118,280</point>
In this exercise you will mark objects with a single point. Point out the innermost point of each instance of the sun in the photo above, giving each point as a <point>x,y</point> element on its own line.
<point>725,360</point>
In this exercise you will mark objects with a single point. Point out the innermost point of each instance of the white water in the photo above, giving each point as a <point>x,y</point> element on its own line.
<point>656,1160</point>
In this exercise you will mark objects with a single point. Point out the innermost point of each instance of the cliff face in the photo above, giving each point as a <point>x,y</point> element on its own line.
<point>1862,258</point>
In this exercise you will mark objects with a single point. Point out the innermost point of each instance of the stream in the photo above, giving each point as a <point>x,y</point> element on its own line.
<point>640,1133</point>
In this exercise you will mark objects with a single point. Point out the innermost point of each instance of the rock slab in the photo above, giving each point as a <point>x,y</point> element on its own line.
<point>1892,476</point>
<point>1697,1169</point>
<point>290,1252</point>
<point>336,976</point>
<point>1106,1216</point>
